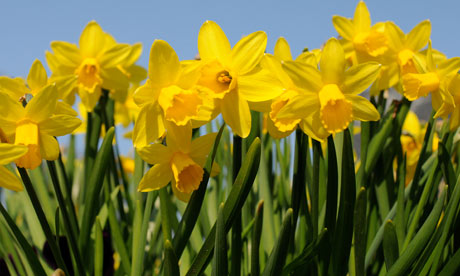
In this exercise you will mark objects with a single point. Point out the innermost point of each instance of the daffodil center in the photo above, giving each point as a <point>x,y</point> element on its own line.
<point>216,79</point>
<point>406,62</point>
<point>374,43</point>
<point>27,134</point>
<point>88,74</point>
<point>179,105</point>
<point>336,111</point>
<point>418,85</point>
<point>283,125</point>
<point>187,173</point>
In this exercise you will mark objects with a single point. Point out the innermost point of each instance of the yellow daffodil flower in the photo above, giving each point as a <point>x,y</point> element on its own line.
<point>451,108</point>
<point>369,42</point>
<point>35,125</point>
<point>9,153</point>
<point>168,95</point>
<point>93,65</point>
<point>180,162</point>
<point>329,100</point>
<point>431,78</point>
<point>232,76</point>
<point>406,46</point>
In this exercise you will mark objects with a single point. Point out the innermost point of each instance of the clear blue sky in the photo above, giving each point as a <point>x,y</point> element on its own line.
<point>28,27</point>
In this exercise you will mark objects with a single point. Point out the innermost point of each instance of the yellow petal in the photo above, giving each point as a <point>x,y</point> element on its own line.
<point>10,152</point>
<point>156,178</point>
<point>418,37</point>
<point>201,148</point>
<point>63,108</point>
<point>154,153</point>
<point>179,137</point>
<point>260,86</point>
<point>360,77</point>
<point>37,77</point>
<point>248,52</point>
<point>313,128</point>
<point>89,98</point>
<point>336,110</point>
<point>418,85</point>
<point>363,110</point>
<point>59,125</point>
<point>43,105</point>
<point>299,107</point>
<point>343,26</point>
<point>332,64</point>
<point>92,40</point>
<point>11,111</point>
<point>282,50</point>
<point>273,64</point>
<point>9,180</point>
<point>449,66</point>
<point>114,79</point>
<point>32,159</point>
<point>362,18</point>
<point>235,111</point>
<point>146,94</point>
<point>65,54</point>
<point>149,125</point>
<point>118,54</point>
<point>49,147</point>
<point>454,119</point>
<point>164,66</point>
<point>16,88</point>
<point>137,73</point>
<point>66,86</point>
<point>135,53</point>
<point>213,43</point>
<point>395,35</point>
<point>303,75</point>
<point>275,132</point>
<point>187,174</point>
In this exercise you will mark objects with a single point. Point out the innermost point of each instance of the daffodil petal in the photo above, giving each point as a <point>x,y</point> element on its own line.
<point>9,180</point>
<point>10,112</point>
<point>43,105</point>
<point>282,50</point>
<point>179,137</point>
<point>360,77</point>
<point>37,77</point>
<point>65,53</point>
<point>301,106</point>
<point>149,125</point>
<point>16,88</point>
<point>396,36</point>
<point>164,65</point>
<point>156,178</point>
<point>235,111</point>
<point>313,128</point>
<point>362,18</point>
<point>303,75</point>
<point>248,52</point>
<point>59,125</point>
<point>213,43</point>
<point>116,55</point>
<point>63,108</point>
<point>92,40</point>
<point>10,152</point>
<point>332,63</point>
<point>201,148</point>
<point>154,153</point>
<point>89,99</point>
<point>49,147</point>
<point>343,26</point>
<point>260,86</point>
<point>363,110</point>
<point>273,64</point>
<point>134,54</point>
<point>418,37</point>
<point>449,66</point>
<point>114,79</point>
<point>185,197</point>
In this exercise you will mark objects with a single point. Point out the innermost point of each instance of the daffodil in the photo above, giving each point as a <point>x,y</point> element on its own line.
<point>451,108</point>
<point>431,78</point>
<point>168,95</point>
<point>406,46</point>
<point>329,100</point>
<point>180,162</point>
<point>232,75</point>
<point>9,153</point>
<point>95,64</point>
<point>35,125</point>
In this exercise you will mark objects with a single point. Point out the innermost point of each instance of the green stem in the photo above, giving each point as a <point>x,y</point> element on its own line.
<point>237,227</point>
<point>314,197</point>
<point>42,218</point>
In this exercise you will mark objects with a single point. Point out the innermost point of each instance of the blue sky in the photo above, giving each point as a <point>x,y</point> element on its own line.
<point>28,27</point>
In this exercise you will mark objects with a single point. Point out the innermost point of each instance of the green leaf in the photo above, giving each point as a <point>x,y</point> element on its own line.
<point>98,250</point>
<point>390,244</point>
<point>220,266</point>
<point>256,236</point>
<point>238,194</point>
<point>95,185</point>
<point>171,264</point>
<point>416,246</point>
<point>453,265</point>
<point>360,231</point>
<point>278,255</point>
